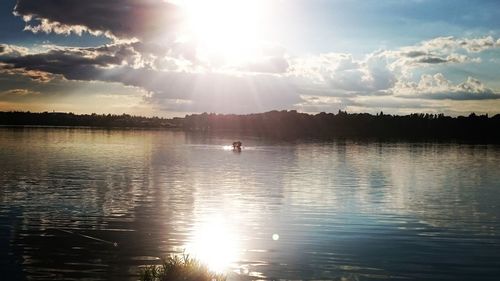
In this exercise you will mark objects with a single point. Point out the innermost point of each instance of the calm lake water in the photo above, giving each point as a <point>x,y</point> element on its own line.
<point>87,204</point>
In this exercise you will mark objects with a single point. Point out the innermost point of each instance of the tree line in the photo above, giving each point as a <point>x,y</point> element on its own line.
<point>293,124</point>
<point>85,120</point>
<point>288,124</point>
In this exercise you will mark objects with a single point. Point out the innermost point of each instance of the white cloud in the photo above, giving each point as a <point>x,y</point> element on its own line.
<point>176,81</point>
<point>438,87</point>
<point>471,45</point>
<point>7,50</point>
<point>342,73</point>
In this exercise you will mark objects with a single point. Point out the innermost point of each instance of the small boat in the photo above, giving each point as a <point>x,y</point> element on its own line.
<point>237,145</point>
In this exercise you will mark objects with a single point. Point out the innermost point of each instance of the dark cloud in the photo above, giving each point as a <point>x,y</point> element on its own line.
<point>72,65</point>
<point>432,60</point>
<point>462,95</point>
<point>142,19</point>
<point>414,54</point>
<point>422,58</point>
<point>39,76</point>
<point>83,63</point>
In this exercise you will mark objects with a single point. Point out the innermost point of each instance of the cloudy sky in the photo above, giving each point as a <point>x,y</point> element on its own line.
<point>170,58</point>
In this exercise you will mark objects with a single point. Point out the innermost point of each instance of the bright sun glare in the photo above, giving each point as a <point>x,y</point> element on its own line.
<point>230,30</point>
<point>215,244</point>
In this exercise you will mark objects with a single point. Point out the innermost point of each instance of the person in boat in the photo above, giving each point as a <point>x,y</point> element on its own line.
<point>237,145</point>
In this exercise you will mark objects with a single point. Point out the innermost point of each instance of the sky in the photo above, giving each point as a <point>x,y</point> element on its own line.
<point>175,57</point>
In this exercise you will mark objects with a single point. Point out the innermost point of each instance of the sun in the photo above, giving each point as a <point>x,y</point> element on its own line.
<point>227,30</point>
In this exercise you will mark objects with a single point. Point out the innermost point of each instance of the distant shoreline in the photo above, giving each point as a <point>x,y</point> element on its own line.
<point>283,125</point>
<point>85,127</point>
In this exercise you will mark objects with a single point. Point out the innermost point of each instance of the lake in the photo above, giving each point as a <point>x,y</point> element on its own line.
<point>92,204</point>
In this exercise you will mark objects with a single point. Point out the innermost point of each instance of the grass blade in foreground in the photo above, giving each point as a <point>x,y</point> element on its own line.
<point>184,268</point>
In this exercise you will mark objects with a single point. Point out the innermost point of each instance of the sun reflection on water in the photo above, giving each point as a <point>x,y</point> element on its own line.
<point>215,243</point>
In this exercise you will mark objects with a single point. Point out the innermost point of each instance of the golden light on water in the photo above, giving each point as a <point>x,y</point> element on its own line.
<point>215,243</point>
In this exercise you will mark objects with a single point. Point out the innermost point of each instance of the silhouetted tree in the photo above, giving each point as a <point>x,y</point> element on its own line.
<point>290,124</point>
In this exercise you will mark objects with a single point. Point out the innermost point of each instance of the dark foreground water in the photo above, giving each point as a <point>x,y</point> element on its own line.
<point>84,204</point>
